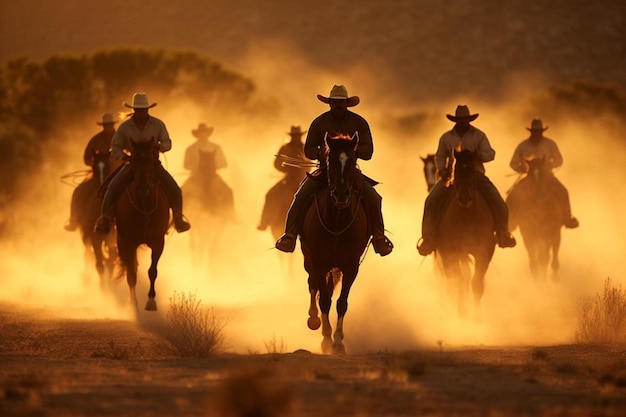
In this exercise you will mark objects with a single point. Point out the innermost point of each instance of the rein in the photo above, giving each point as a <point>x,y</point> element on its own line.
<point>319,217</point>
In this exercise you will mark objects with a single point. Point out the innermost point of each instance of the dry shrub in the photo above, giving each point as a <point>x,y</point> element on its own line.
<point>603,320</point>
<point>275,346</point>
<point>193,330</point>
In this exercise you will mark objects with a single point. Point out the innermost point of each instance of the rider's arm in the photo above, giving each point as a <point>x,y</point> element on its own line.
<point>518,164</point>
<point>118,144</point>
<point>365,149</point>
<point>554,155</point>
<point>485,151</point>
<point>314,140</point>
<point>162,137</point>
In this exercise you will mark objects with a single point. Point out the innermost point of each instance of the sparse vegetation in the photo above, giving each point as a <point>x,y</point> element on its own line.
<point>194,331</point>
<point>603,320</point>
<point>275,346</point>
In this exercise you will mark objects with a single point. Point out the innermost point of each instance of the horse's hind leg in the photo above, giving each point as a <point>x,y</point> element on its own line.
<point>157,250</point>
<point>314,321</point>
<point>556,246</point>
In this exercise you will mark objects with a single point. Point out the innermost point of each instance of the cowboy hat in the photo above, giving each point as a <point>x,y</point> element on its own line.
<point>537,124</point>
<point>107,119</point>
<point>296,131</point>
<point>462,114</point>
<point>140,101</point>
<point>202,131</point>
<point>339,92</point>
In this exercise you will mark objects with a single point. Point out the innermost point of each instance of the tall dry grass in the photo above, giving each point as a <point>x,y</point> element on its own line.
<point>193,330</point>
<point>603,319</point>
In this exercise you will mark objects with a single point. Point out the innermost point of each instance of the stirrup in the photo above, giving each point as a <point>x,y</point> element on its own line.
<point>571,223</point>
<point>506,240</point>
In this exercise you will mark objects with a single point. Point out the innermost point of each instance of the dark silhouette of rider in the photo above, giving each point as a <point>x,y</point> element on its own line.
<point>140,127</point>
<point>538,146</point>
<point>463,136</point>
<point>293,174</point>
<point>100,143</point>
<point>338,120</point>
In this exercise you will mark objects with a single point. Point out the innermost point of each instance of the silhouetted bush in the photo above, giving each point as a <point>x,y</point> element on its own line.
<point>603,320</point>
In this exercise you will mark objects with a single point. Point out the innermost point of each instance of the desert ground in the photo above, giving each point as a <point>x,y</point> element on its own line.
<point>54,366</point>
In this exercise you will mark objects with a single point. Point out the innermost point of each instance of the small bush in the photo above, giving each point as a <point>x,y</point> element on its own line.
<point>603,320</point>
<point>193,330</point>
<point>275,346</point>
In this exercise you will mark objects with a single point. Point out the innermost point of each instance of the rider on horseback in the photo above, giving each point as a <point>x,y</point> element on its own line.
<point>539,146</point>
<point>338,120</point>
<point>293,149</point>
<point>140,127</point>
<point>464,136</point>
<point>98,144</point>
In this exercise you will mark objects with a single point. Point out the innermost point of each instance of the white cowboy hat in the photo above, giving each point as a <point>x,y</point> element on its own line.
<point>140,101</point>
<point>537,124</point>
<point>107,119</point>
<point>296,131</point>
<point>202,131</point>
<point>462,114</point>
<point>339,92</point>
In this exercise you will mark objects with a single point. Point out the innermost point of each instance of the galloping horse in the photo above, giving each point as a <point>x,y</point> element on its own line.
<point>430,171</point>
<point>102,249</point>
<point>143,217</point>
<point>334,237</point>
<point>466,228</point>
<point>209,202</point>
<point>534,206</point>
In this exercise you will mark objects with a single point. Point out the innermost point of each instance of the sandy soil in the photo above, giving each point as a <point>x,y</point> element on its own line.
<point>58,366</point>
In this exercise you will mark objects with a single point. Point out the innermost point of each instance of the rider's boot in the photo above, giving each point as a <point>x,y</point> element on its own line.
<point>427,244</point>
<point>180,222</point>
<point>71,225</point>
<point>373,205</point>
<point>104,222</point>
<point>571,222</point>
<point>287,242</point>
<point>505,239</point>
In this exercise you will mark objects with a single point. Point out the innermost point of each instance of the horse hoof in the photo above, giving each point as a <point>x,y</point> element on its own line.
<point>151,305</point>
<point>339,349</point>
<point>314,323</point>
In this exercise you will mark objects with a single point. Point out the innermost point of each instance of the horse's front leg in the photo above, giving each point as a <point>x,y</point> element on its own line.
<point>314,321</point>
<point>157,250</point>
<point>325,299</point>
<point>347,279</point>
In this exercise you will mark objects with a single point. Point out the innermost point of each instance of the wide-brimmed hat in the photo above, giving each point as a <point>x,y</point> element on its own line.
<point>339,92</point>
<point>107,119</point>
<point>202,131</point>
<point>140,101</point>
<point>462,114</point>
<point>537,124</point>
<point>296,131</point>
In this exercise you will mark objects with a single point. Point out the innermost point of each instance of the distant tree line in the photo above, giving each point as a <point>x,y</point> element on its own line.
<point>37,98</point>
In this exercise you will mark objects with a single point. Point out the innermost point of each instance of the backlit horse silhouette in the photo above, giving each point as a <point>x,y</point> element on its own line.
<point>210,204</point>
<point>143,218</point>
<point>534,206</point>
<point>334,237</point>
<point>466,230</point>
<point>102,250</point>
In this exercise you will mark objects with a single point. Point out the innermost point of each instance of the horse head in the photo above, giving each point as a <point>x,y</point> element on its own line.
<point>101,165</point>
<point>537,169</point>
<point>143,156</point>
<point>464,184</point>
<point>341,166</point>
<point>430,169</point>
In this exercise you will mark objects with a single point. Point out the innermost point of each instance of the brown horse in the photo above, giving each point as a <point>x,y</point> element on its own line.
<point>534,206</point>
<point>334,237</point>
<point>466,229</point>
<point>102,250</point>
<point>209,201</point>
<point>143,218</point>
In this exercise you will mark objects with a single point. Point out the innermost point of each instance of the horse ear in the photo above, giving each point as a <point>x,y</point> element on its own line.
<point>355,140</point>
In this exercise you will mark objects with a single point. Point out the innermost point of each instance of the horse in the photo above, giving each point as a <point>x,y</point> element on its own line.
<point>142,216</point>
<point>209,202</point>
<point>466,230</point>
<point>430,171</point>
<point>535,208</point>
<point>334,237</point>
<point>102,250</point>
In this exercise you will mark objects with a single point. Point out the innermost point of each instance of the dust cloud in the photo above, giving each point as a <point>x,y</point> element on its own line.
<point>397,301</point>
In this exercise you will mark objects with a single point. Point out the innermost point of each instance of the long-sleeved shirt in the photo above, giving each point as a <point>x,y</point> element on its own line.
<point>128,130</point>
<point>192,156</point>
<point>348,125</point>
<point>473,140</point>
<point>528,150</point>
<point>99,143</point>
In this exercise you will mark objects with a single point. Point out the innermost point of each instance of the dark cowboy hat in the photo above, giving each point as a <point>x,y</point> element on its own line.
<point>462,114</point>
<point>339,92</point>
<point>537,124</point>
<point>202,131</point>
<point>296,131</point>
<point>107,119</point>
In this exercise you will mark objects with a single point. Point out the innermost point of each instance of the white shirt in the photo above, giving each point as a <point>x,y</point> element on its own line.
<point>128,131</point>
<point>192,155</point>
<point>473,140</point>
